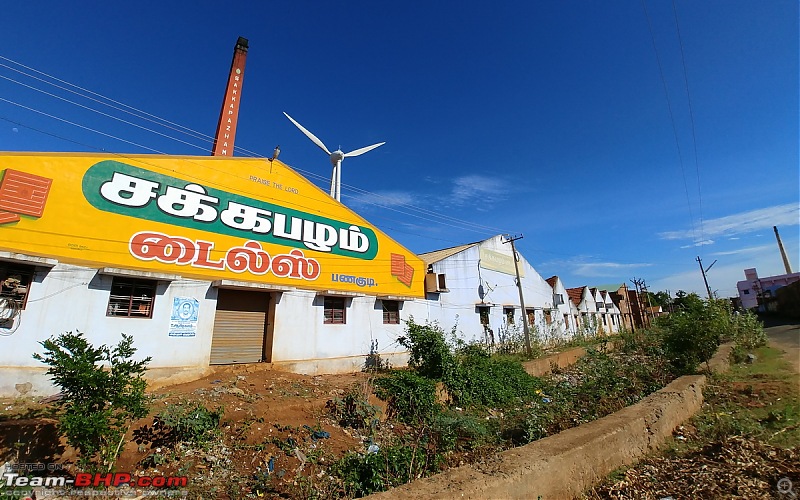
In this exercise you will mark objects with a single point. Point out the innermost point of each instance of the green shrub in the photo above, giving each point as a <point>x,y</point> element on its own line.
<point>430,355</point>
<point>479,380</point>
<point>410,397</point>
<point>693,334</point>
<point>455,430</point>
<point>190,422</point>
<point>102,394</point>
<point>748,331</point>
<point>353,409</point>
<point>390,466</point>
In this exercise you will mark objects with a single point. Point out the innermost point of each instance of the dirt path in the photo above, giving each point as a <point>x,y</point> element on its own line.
<point>786,336</point>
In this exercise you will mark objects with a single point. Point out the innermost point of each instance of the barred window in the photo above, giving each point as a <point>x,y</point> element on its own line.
<point>334,311</point>
<point>131,298</point>
<point>391,312</point>
<point>15,281</point>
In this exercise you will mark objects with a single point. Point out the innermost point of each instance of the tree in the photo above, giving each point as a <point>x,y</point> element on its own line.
<point>102,394</point>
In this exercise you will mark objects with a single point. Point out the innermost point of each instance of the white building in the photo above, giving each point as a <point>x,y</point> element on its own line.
<point>203,260</point>
<point>564,310</point>
<point>474,287</point>
<point>754,287</point>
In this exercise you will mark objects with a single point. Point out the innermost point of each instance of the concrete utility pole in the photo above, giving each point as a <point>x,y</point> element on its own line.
<point>511,240</point>
<point>704,271</point>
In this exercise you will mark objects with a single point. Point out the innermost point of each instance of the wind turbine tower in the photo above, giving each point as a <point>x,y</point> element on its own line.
<point>336,158</point>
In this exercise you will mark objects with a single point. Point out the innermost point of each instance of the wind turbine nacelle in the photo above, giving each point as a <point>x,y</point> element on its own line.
<point>337,156</point>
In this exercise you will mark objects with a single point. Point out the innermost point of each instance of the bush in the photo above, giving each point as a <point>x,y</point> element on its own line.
<point>479,380</point>
<point>430,354</point>
<point>353,409</point>
<point>391,466</point>
<point>190,422</point>
<point>748,331</point>
<point>98,403</point>
<point>692,335</point>
<point>460,431</point>
<point>410,397</point>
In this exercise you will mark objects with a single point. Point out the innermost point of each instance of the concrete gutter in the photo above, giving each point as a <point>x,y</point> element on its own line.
<point>543,366</point>
<point>568,463</point>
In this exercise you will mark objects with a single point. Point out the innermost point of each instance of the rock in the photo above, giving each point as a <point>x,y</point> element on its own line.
<point>751,358</point>
<point>23,389</point>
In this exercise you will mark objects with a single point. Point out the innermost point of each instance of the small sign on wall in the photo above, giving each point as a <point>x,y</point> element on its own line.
<point>183,321</point>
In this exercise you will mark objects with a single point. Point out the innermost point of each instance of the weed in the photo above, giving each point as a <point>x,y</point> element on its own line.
<point>190,422</point>
<point>353,409</point>
<point>410,397</point>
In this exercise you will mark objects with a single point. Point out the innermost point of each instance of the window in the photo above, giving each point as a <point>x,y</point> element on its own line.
<point>509,314</point>
<point>531,316</point>
<point>548,318</point>
<point>15,281</point>
<point>334,311</point>
<point>483,313</point>
<point>391,312</point>
<point>131,298</point>
<point>746,292</point>
<point>558,299</point>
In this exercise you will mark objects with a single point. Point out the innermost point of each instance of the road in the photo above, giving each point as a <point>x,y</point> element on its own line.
<point>785,334</point>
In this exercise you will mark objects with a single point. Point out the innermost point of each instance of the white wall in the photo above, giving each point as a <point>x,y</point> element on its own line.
<point>466,282</point>
<point>73,298</point>
<point>303,343</point>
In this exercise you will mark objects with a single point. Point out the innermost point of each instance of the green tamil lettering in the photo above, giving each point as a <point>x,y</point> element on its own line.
<point>131,191</point>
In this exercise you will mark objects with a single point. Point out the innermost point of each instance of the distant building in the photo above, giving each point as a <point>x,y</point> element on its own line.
<point>756,293</point>
<point>474,287</point>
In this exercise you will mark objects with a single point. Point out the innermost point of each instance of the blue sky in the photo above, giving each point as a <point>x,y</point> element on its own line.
<point>548,119</point>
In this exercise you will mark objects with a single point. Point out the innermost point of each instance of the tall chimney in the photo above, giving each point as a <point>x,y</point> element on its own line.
<point>229,116</point>
<point>783,251</point>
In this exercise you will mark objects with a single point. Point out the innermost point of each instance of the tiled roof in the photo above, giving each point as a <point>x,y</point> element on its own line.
<point>575,294</point>
<point>437,255</point>
<point>552,281</point>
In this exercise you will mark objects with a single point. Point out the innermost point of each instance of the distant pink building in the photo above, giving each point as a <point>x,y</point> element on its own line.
<point>753,287</point>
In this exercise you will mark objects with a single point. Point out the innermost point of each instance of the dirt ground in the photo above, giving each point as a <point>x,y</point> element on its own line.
<point>267,414</point>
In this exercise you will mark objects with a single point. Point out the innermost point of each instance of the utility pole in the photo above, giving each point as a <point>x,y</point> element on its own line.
<point>509,239</point>
<point>704,271</point>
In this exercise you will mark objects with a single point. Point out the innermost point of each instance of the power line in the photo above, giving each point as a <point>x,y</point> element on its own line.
<point>465,224</point>
<point>671,118</point>
<point>691,119</point>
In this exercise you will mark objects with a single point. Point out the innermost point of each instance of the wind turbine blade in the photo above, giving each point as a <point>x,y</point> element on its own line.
<point>311,136</point>
<point>363,150</point>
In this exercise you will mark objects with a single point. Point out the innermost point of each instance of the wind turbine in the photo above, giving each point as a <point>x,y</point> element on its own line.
<point>336,158</point>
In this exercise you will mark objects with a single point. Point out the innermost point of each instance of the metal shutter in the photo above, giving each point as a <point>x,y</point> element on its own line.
<point>239,327</point>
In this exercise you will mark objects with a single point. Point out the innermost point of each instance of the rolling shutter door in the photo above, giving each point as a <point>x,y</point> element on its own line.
<point>239,327</point>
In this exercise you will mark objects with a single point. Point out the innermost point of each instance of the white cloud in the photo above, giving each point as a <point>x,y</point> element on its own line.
<point>748,250</point>
<point>583,266</point>
<point>699,243</point>
<point>479,189</point>
<point>605,269</point>
<point>741,223</point>
<point>383,198</point>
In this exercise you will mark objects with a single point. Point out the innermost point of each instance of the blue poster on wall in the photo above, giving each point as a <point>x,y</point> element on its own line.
<point>183,321</point>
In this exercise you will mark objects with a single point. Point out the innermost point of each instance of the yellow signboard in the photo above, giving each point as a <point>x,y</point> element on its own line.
<point>204,217</point>
<point>498,261</point>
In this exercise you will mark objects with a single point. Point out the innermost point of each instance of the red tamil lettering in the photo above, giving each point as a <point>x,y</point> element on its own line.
<point>204,253</point>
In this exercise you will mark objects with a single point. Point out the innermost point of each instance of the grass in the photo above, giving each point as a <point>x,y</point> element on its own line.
<point>758,400</point>
<point>740,443</point>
